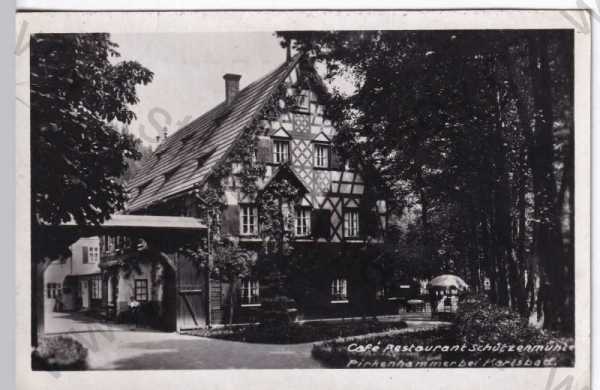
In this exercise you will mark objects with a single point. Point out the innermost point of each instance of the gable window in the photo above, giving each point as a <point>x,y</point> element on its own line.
<point>302,101</point>
<point>141,290</point>
<point>321,156</point>
<point>339,291</point>
<point>248,220</point>
<point>351,223</point>
<point>281,151</point>
<point>250,292</point>
<point>302,221</point>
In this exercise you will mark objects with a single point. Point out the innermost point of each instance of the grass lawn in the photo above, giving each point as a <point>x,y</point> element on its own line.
<point>298,332</point>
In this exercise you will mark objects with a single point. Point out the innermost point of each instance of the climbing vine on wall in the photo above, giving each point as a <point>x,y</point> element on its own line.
<point>241,171</point>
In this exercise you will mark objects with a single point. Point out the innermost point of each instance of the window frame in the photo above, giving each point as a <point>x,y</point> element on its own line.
<point>277,153</point>
<point>138,285</point>
<point>250,292</point>
<point>303,214</point>
<point>96,292</point>
<point>339,290</point>
<point>351,230</point>
<point>317,146</point>
<point>252,223</point>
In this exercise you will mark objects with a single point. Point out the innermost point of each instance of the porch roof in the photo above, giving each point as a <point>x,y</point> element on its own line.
<point>129,221</point>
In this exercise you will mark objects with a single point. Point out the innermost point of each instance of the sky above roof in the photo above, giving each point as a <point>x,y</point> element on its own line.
<point>188,73</point>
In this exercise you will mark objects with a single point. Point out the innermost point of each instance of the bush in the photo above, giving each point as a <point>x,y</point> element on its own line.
<point>274,332</point>
<point>278,311</point>
<point>480,322</point>
<point>490,333</point>
<point>59,354</point>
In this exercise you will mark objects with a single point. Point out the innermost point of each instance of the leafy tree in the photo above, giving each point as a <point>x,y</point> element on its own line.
<point>77,91</point>
<point>476,129</point>
<point>232,264</point>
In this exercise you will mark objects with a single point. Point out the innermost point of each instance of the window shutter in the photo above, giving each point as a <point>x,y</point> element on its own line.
<point>231,220</point>
<point>320,220</point>
<point>336,161</point>
<point>264,149</point>
<point>84,254</point>
<point>368,221</point>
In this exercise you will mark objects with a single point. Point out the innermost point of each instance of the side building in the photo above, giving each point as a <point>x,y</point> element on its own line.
<point>76,281</point>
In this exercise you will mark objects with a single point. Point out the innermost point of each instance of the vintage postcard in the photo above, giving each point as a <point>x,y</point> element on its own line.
<point>253,199</point>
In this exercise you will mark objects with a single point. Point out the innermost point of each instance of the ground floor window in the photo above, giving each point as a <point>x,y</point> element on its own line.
<point>303,221</point>
<point>250,292</point>
<point>52,290</point>
<point>96,288</point>
<point>141,290</point>
<point>351,223</point>
<point>339,291</point>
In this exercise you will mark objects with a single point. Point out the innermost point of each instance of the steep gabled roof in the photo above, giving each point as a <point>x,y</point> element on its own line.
<point>187,157</point>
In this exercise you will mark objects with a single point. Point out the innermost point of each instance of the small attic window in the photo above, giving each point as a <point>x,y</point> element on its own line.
<point>302,99</point>
<point>158,154</point>
<point>142,187</point>
<point>187,138</point>
<point>200,161</point>
<point>169,174</point>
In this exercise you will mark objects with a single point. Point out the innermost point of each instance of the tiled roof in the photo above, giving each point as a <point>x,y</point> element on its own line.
<point>187,157</point>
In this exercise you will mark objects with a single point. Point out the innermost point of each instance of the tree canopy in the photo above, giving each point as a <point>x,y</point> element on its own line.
<point>472,132</point>
<point>78,92</point>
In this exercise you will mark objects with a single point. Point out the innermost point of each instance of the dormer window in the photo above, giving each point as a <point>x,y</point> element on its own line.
<point>281,151</point>
<point>303,101</point>
<point>321,155</point>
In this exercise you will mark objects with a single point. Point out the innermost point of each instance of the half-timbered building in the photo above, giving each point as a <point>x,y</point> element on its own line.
<point>333,224</point>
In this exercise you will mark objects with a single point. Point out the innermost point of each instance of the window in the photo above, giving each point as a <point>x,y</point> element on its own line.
<point>250,292</point>
<point>302,221</point>
<point>351,223</point>
<point>339,290</point>
<point>321,156</point>
<point>52,290</point>
<point>84,254</point>
<point>249,220</point>
<point>281,151</point>
<point>303,100</point>
<point>96,288</point>
<point>141,290</point>
<point>93,254</point>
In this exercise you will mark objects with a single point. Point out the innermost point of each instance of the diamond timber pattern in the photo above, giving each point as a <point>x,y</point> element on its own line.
<point>301,123</point>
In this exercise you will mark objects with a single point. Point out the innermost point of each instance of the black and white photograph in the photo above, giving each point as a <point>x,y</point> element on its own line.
<point>304,199</point>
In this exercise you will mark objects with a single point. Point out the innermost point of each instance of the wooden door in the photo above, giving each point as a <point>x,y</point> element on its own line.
<point>191,295</point>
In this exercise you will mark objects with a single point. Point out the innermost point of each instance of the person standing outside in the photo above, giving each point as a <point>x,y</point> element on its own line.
<point>134,309</point>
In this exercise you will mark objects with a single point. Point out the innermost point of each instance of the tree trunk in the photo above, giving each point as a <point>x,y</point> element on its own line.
<point>547,236</point>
